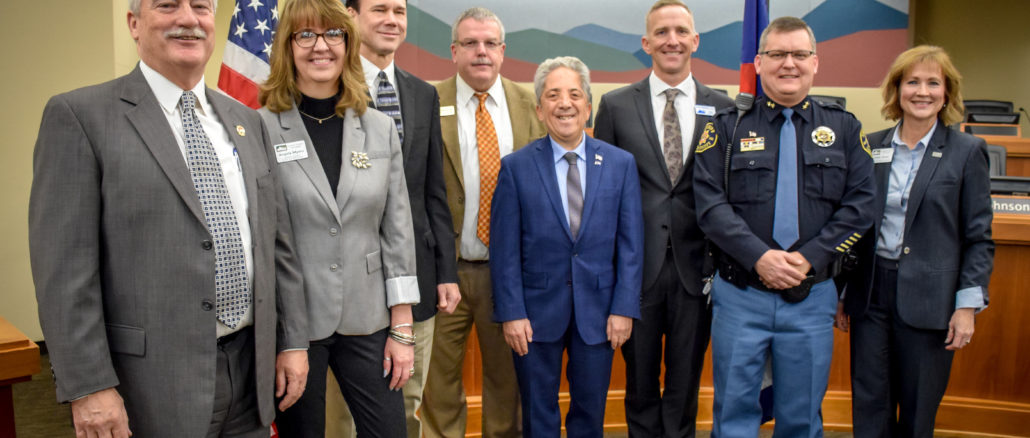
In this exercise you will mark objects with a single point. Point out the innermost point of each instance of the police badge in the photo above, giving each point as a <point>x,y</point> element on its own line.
<point>823,136</point>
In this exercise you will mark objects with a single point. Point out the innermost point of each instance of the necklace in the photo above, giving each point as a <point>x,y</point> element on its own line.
<point>317,119</point>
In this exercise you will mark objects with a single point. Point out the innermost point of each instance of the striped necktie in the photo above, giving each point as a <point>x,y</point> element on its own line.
<point>388,103</point>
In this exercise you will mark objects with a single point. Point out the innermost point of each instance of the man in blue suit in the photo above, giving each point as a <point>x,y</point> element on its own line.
<point>566,256</point>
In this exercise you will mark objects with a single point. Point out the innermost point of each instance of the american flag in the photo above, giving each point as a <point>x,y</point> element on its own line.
<point>756,18</point>
<point>245,64</point>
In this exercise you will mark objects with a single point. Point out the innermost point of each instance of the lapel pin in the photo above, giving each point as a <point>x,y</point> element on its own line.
<point>936,154</point>
<point>598,159</point>
<point>242,132</point>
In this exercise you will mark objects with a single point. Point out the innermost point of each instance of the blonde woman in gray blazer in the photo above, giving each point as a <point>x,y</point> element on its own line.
<point>343,178</point>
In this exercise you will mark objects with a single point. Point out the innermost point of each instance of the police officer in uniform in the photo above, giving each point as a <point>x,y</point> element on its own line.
<point>797,196</point>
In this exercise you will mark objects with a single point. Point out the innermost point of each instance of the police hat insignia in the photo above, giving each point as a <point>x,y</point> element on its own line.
<point>708,138</point>
<point>823,136</point>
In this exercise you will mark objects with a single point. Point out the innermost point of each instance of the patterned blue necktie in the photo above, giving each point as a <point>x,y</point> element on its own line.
<point>785,217</point>
<point>232,288</point>
<point>388,103</point>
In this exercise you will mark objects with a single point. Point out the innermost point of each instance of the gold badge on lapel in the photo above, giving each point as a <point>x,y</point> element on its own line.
<point>242,132</point>
<point>805,106</point>
<point>823,136</point>
<point>360,160</point>
<point>708,138</point>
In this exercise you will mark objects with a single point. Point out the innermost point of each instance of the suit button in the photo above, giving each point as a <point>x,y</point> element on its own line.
<point>333,231</point>
<point>907,250</point>
<point>461,199</point>
<point>207,245</point>
<point>334,267</point>
<point>569,282</point>
<point>207,305</point>
<point>665,227</point>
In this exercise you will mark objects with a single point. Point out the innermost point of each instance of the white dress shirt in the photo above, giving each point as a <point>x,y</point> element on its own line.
<point>497,105</point>
<point>168,97</point>
<point>684,105</point>
<point>372,77</point>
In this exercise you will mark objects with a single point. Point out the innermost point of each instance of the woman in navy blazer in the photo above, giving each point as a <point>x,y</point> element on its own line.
<point>923,273</point>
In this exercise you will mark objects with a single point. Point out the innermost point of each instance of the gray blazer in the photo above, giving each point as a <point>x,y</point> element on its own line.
<point>357,250</point>
<point>123,265</point>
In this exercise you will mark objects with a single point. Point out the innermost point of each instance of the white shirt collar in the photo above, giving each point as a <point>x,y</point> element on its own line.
<point>372,74</point>
<point>169,94</point>
<point>658,86</point>
<point>465,93</point>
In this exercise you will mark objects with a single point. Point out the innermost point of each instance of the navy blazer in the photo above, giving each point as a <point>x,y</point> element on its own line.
<point>947,243</point>
<point>539,271</point>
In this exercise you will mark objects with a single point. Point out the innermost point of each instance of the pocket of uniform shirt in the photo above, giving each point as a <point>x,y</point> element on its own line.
<point>825,173</point>
<point>752,178</point>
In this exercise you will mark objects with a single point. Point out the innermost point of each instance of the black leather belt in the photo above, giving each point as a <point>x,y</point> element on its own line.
<point>474,262</point>
<point>741,278</point>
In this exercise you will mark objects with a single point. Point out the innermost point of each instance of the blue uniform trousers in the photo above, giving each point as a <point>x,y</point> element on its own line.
<point>747,326</point>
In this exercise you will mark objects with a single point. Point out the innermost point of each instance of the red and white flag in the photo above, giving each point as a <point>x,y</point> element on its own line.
<point>245,63</point>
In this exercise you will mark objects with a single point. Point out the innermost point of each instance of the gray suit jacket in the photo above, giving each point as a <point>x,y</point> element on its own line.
<point>122,262</point>
<point>357,250</point>
<point>625,119</point>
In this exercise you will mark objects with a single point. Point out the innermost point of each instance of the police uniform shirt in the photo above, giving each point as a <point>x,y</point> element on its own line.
<point>835,181</point>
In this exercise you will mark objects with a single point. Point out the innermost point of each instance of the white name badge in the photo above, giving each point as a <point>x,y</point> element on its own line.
<point>292,151</point>
<point>883,155</point>
<point>446,110</point>
<point>704,110</point>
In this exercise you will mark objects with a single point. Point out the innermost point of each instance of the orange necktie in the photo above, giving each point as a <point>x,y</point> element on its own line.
<point>489,167</point>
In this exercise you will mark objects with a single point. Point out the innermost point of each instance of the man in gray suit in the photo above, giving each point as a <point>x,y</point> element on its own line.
<point>659,120</point>
<point>160,247</point>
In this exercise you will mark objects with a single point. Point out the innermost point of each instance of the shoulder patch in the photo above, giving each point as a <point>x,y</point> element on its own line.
<point>865,143</point>
<point>708,138</point>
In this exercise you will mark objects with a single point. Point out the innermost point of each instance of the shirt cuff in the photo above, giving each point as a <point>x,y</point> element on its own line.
<point>293,349</point>
<point>402,290</point>
<point>970,297</point>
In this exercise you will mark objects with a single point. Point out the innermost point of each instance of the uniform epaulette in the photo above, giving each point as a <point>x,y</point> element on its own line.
<point>829,105</point>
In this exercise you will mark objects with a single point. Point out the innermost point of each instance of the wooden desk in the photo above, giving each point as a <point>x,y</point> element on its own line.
<point>1017,162</point>
<point>19,360</point>
<point>989,390</point>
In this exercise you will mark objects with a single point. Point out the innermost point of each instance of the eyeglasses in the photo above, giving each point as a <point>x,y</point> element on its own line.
<point>307,38</point>
<point>780,55</point>
<point>473,44</point>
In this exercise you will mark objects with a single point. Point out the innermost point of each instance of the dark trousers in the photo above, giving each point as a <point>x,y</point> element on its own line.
<point>683,321</point>
<point>357,363</point>
<point>898,373</point>
<point>236,411</point>
<point>589,372</point>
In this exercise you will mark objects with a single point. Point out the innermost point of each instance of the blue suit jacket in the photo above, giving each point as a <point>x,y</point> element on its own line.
<point>539,272</point>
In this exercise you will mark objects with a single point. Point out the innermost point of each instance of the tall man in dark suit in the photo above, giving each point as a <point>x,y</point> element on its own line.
<point>413,104</point>
<point>659,120</point>
<point>483,117</point>
<point>567,251</point>
<point>161,248</point>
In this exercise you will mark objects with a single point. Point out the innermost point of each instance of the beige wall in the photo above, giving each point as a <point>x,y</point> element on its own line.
<point>93,45</point>
<point>989,42</point>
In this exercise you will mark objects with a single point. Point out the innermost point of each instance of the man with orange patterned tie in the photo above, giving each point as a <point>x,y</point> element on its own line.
<point>483,117</point>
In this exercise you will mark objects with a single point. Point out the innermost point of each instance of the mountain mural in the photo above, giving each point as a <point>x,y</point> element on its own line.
<point>857,41</point>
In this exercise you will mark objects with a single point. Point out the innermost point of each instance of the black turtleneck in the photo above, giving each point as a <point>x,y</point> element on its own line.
<point>327,136</point>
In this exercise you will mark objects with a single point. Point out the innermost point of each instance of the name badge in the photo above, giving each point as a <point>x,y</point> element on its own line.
<point>752,144</point>
<point>883,155</point>
<point>704,110</point>
<point>292,151</point>
<point>446,110</point>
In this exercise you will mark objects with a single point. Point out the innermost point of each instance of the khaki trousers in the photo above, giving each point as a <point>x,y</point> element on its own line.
<point>444,410</point>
